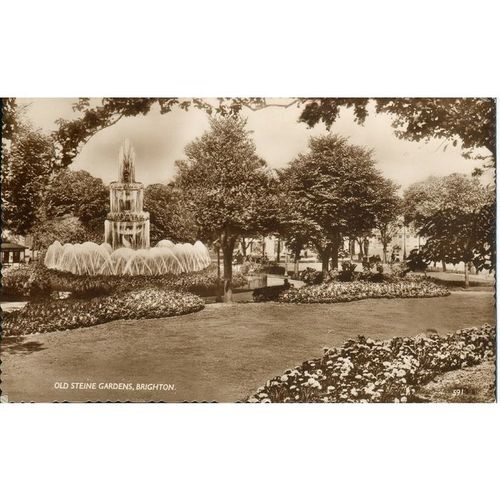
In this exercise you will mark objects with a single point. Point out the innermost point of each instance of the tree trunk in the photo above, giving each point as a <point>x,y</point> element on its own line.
<point>443,264</point>
<point>361,254</point>
<point>217,293</point>
<point>243,247</point>
<point>227,251</point>
<point>384,250</point>
<point>335,256</point>
<point>466,270</point>
<point>325,260</point>
<point>263,246</point>
<point>278,251</point>
<point>353,249</point>
<point>296,263</point>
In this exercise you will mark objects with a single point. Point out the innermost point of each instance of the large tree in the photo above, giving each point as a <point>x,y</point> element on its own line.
<point>27,166</point>
<point>170,215</point>
<point>227,187</point>
<point>334,189</point>
<point>456,216</point>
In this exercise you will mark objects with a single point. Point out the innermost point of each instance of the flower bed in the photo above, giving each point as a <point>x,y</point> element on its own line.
<point>48,316</point>
<point>334,291</point>
<point>366,370</point>
<point>43,281</point>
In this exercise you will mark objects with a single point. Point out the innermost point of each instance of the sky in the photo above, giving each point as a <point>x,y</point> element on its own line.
<point>159,140</point>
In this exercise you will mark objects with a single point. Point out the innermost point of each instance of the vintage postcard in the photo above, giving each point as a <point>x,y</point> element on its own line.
<point>324,250</point>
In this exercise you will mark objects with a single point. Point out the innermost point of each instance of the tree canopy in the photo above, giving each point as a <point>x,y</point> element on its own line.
<point>334,190</point>
<point>456,216</point>
<point>470,120</point>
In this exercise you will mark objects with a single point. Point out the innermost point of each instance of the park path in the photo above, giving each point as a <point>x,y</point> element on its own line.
<point>222,353</point>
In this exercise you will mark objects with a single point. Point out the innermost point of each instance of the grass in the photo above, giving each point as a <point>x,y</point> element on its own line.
<point>224,352</point>
<point>475,384</point>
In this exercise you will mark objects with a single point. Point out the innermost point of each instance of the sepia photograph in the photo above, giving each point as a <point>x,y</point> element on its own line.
<point>248,250</point>
<point>258,250</point>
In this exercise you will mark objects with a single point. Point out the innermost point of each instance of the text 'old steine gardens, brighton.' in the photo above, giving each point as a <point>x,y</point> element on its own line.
<point>248,250</point>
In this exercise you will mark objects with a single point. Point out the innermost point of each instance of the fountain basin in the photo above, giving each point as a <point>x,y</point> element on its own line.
<point>92,259</point>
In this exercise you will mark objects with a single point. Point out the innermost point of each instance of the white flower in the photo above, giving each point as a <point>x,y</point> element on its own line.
<point>284,378</point>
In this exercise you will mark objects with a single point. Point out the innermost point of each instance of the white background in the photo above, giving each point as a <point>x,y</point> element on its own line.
<point>258,48</point>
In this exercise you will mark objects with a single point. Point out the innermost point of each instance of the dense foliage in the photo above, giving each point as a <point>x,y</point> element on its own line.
<point>367,370</point>
<point>54,315</point>
<point>79,194</point>
<point>27,165</point>
<point>169,214</point>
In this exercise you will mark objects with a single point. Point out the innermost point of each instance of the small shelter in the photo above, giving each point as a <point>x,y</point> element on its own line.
<point>12,253</point>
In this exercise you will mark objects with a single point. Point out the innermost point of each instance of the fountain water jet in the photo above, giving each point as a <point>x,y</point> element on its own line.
<point>126,250</point>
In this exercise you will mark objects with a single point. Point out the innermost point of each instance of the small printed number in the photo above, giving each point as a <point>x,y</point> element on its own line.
<point>458,392</point>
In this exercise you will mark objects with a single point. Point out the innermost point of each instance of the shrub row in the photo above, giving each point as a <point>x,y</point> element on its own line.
<point>366,370</point>
<point>333,291</point>
<point>40,281</point>
<point>48,316</point>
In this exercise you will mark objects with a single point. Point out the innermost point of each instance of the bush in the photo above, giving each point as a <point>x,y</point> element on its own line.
<point>201,282</point>
<point>331,292</point>
<point>366,370</point>
<point>310,276</point>
<point>48,316</point>
<point>16,281</point>
<point>347,272</point>
<point>416,261</point>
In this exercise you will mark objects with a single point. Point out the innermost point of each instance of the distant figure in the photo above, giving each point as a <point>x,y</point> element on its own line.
<point>393,258</point>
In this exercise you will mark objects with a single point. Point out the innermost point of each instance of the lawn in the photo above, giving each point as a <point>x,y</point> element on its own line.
<point>222,353</point>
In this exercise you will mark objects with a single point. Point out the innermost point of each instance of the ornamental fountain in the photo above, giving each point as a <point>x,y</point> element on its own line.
<point>127,225</point>
<point>126,249</point>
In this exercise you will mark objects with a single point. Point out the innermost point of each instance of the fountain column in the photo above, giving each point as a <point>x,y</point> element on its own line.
<point>127,225</point>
